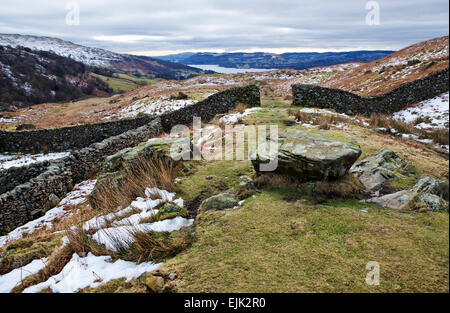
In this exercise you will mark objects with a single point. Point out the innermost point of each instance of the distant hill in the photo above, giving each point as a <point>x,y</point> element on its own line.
<point>301,60</point>
<point>122,63</point>
<point>29,77</point>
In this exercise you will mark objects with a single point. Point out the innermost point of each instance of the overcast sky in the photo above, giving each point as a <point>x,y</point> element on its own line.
<point>156,27</point>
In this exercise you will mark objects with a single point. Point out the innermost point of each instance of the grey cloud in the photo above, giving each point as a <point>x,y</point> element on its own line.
<point>231,24</point>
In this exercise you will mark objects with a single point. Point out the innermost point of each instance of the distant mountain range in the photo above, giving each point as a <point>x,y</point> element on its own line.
<point>300,60</point>
<point>29,77</point>
<point>122,63</point>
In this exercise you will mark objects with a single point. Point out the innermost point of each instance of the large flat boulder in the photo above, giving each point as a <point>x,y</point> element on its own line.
<point>311,154</point>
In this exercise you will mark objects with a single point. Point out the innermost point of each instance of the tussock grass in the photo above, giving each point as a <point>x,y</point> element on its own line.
<point>25,250</point>
<point>439,135</point>
<point>240,107</point>
<point>145,246</point>
<point>155,246</point>
<point>275,180</point>
<point>55,263</point>
<point>346,187</point>
<point>151,172</point>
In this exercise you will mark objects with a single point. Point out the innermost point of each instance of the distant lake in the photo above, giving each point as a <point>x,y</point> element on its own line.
<point>228,70</point>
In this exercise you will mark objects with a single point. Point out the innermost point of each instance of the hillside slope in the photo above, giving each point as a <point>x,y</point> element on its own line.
<point>388,73</point>
<point>28,78</point>
<point>102,58</point>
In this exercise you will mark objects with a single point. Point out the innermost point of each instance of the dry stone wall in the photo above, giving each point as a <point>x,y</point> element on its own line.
<point>31,197</point>
<point>66,138</point>
<point>346,102</point>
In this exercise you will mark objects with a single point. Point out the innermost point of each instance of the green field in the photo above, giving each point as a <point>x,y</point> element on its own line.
<point>123,82</point>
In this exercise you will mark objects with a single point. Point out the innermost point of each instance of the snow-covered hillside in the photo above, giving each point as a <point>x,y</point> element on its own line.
<point>86,55</point>
<point>124,63</point>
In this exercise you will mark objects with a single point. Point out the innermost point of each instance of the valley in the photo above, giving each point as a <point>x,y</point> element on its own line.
<point>349,188</point>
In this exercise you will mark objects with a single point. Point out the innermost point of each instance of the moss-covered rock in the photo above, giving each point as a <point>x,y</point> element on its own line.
<point>153,283</point>
<point>170,210</point>
<point>384,168</point>
<point>428,194</point>
<point>310,154</point>
<point>219,202</point>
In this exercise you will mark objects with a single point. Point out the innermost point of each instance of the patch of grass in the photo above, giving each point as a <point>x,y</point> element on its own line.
<point>275,116</point>
<point>119,285</point>
<point>273,102</point>
<point>195,187</point>
<point>270,245</point>
<point>118,84</point>
<point>25,250</point>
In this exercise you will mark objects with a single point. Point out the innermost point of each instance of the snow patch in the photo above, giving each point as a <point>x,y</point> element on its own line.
<point>18,160</point>
<point>91,271</point>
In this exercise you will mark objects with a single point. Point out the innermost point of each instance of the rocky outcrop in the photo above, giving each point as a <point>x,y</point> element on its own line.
<point>394,183</point>
<point>392,101</point>
<point>376,170</point>
<point>310,154</point>
<point>427,194</point>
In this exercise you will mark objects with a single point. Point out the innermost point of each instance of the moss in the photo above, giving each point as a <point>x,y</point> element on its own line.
<point>244,192</point>
<point>170,210</point>
<point>25,250</point>
<point>153,283</point>
<point>119,285</point>
<point>401,182</point>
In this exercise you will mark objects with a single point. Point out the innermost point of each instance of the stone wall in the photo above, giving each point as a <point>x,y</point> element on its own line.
<point>30,199</point>
<point>79,136</point>
<point>218,103</point>
<point>66,138</point>
<point>11,177</point>
<point>346,102</point>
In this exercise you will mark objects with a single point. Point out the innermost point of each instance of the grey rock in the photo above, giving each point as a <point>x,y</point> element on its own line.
<point>428,191</point>
<point>246,182</point>
<point>428,184</point>
<point>311,154</point>
<point>376,169</point>
<point>173,276</point>
<point>398,200</point>
<point>219,202</point>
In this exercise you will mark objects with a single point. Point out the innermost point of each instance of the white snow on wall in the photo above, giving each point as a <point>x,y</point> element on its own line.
<point>77,196</point>
<point>18,160</point>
